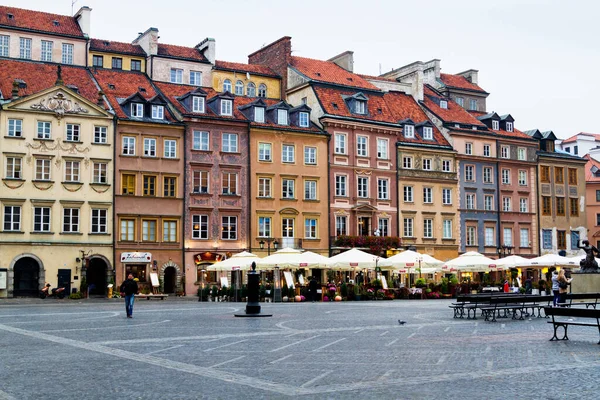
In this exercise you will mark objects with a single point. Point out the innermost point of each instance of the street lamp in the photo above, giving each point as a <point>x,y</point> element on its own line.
<point>504,251</point>
<point>268,241</point>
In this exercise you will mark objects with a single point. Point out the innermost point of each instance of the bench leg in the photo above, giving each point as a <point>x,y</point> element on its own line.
<point>565,327</point>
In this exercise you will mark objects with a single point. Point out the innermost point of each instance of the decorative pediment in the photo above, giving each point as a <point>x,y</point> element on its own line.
<point>365,208</point>
<point>289,211</point>
<point>60,105</point>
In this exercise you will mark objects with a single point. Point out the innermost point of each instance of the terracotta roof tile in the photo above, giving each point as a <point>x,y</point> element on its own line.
<point>589,175</point>
<point>188,53</point>
<point>39,76</point>
<point>459,82</point>
<point>251,68</point>
<point>334,104</point>
<point>515,134</point>
<point>453,114</point>
<point>40,21</point>
<point>574,138</point>
<point>329,72</point>
<point>116,47</point>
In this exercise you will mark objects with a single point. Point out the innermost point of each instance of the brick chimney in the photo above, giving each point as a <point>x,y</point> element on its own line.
<point>276,56</point>
<point>344,60</point>
<point>83,18</point>
<point>208,47</point>
<point>148,41</point>
<point>15,90</point>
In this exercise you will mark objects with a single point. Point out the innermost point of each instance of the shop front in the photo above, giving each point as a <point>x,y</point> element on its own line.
<point>142,264</point>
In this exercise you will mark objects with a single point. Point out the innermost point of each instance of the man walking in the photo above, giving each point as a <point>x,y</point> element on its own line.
<point>312,288</point>
<point>129,288</point>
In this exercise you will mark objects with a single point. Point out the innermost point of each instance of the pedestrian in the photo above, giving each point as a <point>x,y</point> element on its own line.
<point>563,285</point>
<point>555,291</point>
<point>506,287</point>
<point>128,289</point>
<point>312,288</point>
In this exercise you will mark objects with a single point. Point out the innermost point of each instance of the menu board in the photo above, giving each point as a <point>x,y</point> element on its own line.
<point>154,279</point>
<point>289,279</point>
<point>224,282</point>
<point>384,282</point>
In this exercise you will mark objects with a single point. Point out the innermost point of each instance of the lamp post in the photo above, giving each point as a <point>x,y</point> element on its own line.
<point>268,241</point>
<point>277,285</point>
<point>504,251</point>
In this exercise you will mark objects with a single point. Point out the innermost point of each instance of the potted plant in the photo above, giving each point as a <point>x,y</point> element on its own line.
<point>357,292</point>
<point>214,292</point>
<point>542,286</point>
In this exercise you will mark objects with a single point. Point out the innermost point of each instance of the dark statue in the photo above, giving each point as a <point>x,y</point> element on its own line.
<point>589,264</point>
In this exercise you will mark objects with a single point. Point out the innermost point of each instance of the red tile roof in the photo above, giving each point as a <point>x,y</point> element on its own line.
<point>574,138</point>
<point>515,134</point>
<point>459,82</point>
<point>453,114</point>
<point>39,22</point>
<point>329,72</point>
<point>334,104</point>
<point>173,51</point>
<point>39,76</point>
<point>251,68</point>
<point>589,175</point>
<point>116,47</point>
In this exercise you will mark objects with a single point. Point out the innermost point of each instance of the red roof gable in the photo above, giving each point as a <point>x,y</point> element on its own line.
<point>251,68</point>
<point>116,47</point>
<point>334,104</point>
<point>574,138</point>
<point>329,72</point>
<point>459,82</point>
<point>453,114</point>
<point>189,53</point>
<point>39,21</point>
<point>589,175</point>
<point>39,76</point>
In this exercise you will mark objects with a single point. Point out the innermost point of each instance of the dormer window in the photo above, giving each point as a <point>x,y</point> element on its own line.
<point>495,125</point>
<point>197,104</point>
<point>409,131</point>
<point>259,114</point>
<point>303,119</point>
<point>137,110</point>
<point>360,107</point>
<point>428,133</point>
<point>509,127</point>
<point>443,104</point>
<point>226,107</point>
<point>282,117</point>
<point>158,112</point>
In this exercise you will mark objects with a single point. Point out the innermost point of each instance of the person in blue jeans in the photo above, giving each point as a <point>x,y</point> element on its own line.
<point>555,288</point>
<point>129,288</point>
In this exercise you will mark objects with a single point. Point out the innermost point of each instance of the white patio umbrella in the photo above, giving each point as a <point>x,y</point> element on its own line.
<point>292,258</point>
<point>513,261</point>
<point>471,261</point>
<point>352,259</point>
<point>578,259</point>
<point>240,261</point>
<point>409,259</point>
<point>552,260</point>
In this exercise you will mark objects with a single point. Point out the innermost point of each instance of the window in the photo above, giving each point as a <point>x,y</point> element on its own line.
<point>15,127</point>
<point>598,195</point>
<point>41,219</point>
<point>506,177</point>
<point>259,114</point>
<point>384,227</point>
<point>408,194</point>
<point>505,151</point>
<point>547,239</point>
<point>428,228</point>
<point>382,149</point>
<point>239,88</point>
<point>523,205</point>
<point>310,190</point>
<point>226,85</point>
<point>490,239</point>
<point>383,192</point>
<point>127,230</point>
<point>137,110</point>
<point>495,125</point>
<point>251,90</point>
<point>576,150</point>
<point>262,90</point>
<point>522,178</point>
<point>597,219</point>
<point>176,75</point>
<point>409,131</point>
<point>506,204</point>
<point>200,141</point>
<point>99,174</point>
<point>200,181</point>
<point>509,126</point>
<point>169,231</point>
<point>73,133</point>
<point>560,206</point>
<point>13,167</point>
<point>70,220</point>
<point>446,196</point>
<point>287,227</point>
<point>226,107</point>
<point>470,201</point>
<point>488,202</point>
<point>199,226</point>
<point>473,105</point>
<point>229,143</point>
<point>573,208</point>
<point>42,169</point>
<point>264,151</point>
<point>287,153</point>
<point>447,229</point>
<point>487,175</point>
<point>264,227</point>
<point>507,237</point>
<point>561,238</point>
<point>408,227</point>
<point>72,171</point>
<point>361,146</point>
<point>427,164</point>
<point>427,195</point>
<point>264,187</point>
<point>25,48</point>
<point>229,183</point>
<point>229,228</point>
<point>574,240</point>
<point>524,237</point>
<point>545,174</point>
<point>43,130</point>
<point>136,65</point>
<point>169,186</point>
<point>99,220</point>
<point>158,112</point>
<point>340,143</point>
<point>149,185</point>
<point>303,119</point>
<point>559,175</point>
<point>310,155</point>
<point>148,230</point>
<point>310,228</point>
<point>46,51</point>
<point>486,150</point>
<point>12,218</point>
<point>572,176</point>
<point>340,185</point>
<point>100,136</point>
<point>282,117</point>
<point>128,184</point>
<point>196,79</point>
<point>128,146</point>
<point>471,236</point>
<point>170,149</point>
<point>469,148</point>
<point>521,153</point>
<point>98,61</point>
<point>149,147</point>
<point>546,205</point>
<point>341,226</point>
<point>117,63</point>
<point>460,101</point>
<point>197,104</point>
<point>360,107</point>
<point>428,133</point>
<point>4,45</point>
<point>446,166</point>
<point>407,162</point>
<point>363,187</point>
<point>469,176</point>
<point>443,104</point>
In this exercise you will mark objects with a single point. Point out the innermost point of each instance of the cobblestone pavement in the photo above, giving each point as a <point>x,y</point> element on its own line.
<point>352,350</point>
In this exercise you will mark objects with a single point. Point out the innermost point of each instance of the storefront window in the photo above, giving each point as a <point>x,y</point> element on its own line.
<point>137,270</point>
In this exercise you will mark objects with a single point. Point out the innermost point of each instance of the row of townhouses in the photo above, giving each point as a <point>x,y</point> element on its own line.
<point>147,157</point>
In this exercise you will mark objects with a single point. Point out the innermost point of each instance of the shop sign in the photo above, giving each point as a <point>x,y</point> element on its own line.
<point>3,273</point>
<point>208,256</point>
<point>136,257</point>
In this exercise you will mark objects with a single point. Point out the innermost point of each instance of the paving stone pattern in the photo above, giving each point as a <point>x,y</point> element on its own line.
<point>178,349</point>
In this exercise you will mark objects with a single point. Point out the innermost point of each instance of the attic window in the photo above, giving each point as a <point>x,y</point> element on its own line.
<point>335,106</point>
<point>495,125</point>
<point>22,83</point>
<point>10,16</point>
<point>379,111</point>
<point>73,88</point>
<point>317,73</point>
<point>360,107</point>
<point>350,79</point>
<point>509,127</point>
<point>106,43</point>
<point>142,89</point>
<point>428,133</point>
<point>55,23</point>
<point>111,86</point>
<point>409,131</point>
<point>443,104</point>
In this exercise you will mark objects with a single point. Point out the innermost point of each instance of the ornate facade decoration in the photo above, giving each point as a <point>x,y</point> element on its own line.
<point>60,105</point>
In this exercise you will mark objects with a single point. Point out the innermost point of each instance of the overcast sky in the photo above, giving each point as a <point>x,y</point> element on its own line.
<point>538,59</point>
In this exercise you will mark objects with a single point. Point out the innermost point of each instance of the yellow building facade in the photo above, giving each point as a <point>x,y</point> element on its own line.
<point>116,55</point>
<point>239,83</point>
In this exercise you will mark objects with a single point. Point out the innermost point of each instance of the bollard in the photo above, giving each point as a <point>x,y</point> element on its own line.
<point>252,305</point>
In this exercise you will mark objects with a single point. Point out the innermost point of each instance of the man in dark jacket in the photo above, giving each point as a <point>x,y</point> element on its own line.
<point>129,288</point>
<point>312,288</point>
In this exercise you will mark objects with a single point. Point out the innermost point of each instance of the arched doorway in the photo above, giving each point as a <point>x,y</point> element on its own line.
<point>26,277</point>
<point>96,276</point>
<point>170,280</point>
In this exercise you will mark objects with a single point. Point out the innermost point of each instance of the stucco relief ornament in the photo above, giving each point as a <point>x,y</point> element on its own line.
<point>43,146</point>
<point>59,105</point>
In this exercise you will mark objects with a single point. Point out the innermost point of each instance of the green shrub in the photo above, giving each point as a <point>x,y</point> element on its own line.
<point>75,296</point>
<point>214,291</point>
<point>344,290</point>
<point>420,282</point>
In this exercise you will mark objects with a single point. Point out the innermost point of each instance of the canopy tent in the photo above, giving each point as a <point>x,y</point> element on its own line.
<point>240,261</point>
<point>552,260</point>
<point>411,260</point>
<point>352,259</point>
<point>471,261</point>
<point>292,258</point>
<point>513,261</point>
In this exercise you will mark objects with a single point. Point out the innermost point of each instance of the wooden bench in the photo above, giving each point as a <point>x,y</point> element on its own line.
<point>591,314</point>
<point>151,296</point>
<point>471,302</point>
<point>506,305</point>
<point>592,297</point>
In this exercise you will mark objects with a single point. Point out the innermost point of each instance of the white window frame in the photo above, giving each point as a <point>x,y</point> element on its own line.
<point>239,88</point>
<point>469,173</point>
<point>73,133</point>
<point>25,48</point>
<point>196,78</point>
<point>303,119</point>
<point>259,114</point>
<point>383,191</point>
<point>15,127</point>
<point>149,147</point>
<point>409,131</point>
<point>310,228</point>
<point>362,187</point>
<point>46,50</point>
<point>471,236</point>
<point>44,130</point>
<point>488,202</point>
<point>45,219</point>
<point>128,146</point>
<point>226,107</point>
<point>489,236</point>
<point>341,225</point>
<point>310,190</point>
<point>505,176</point>
<point>158,112</point>
<point>12,218</point>
<point>341,186</point>
<point>407,162</point>
<point>265,187</point>
<point>282,116</point>
<point>408,227</point>
<point>170,148</point>
<point>522,178</point>
<point>521,153</point>
<point>229,142</point>
<point>100,135</point>
<point>340,143</point>
<point>310,155</point>
<point>288,154</point>
<point>14,168</point>
<point>509,126</point>
<point>67,53</point>
<point>201,140</point>
<point>176,75</point>
<point>382,148</point>
<point>447,229</point>
<point>428,195</point>
<point>487,150</point>
<point>137,110</point>
<point>427,133</point>
<point>446,196</point>
<point>100,173</point>
<point>71,220</point>
<point>504,151</point>
<point>4,46</point>
<point>506,204</point>
<point>427,164</point>
<point>470,201</point>
<point>362,145</point>
<point>288,190</point>
<point>264,227</point>
<point>265,152</point>
<point>198,176</point>
<point>45,173</point>
<point>523,205</point>
<point>524,237</point>
<point>428,228</point>
<point>96,224</point>
<point>469,148</point>
<point>444,104</point>
<point>72,170</point>
<point>507,236</point>
<point>495,125</point>
<point>198,104</point>
<point>488,175</point>
<point>408,194</point>
<point>446,166</point>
